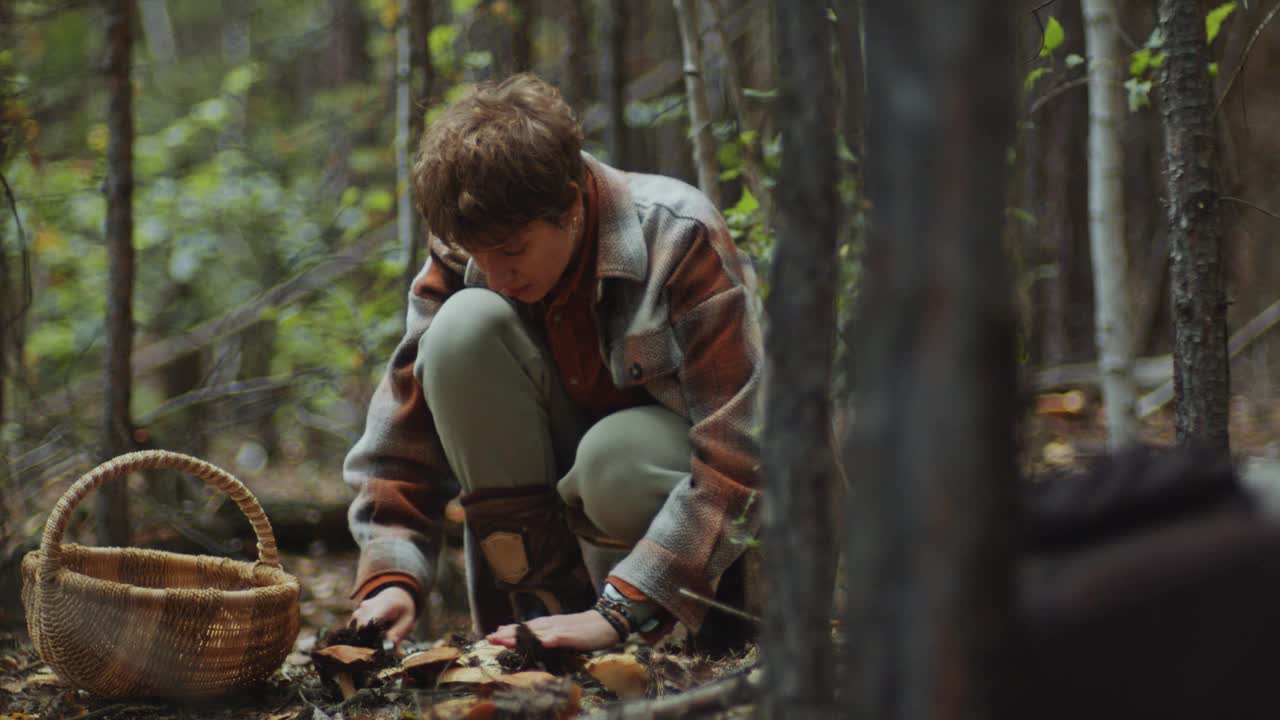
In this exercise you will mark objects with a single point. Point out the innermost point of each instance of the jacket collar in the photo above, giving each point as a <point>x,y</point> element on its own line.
<point>622,252</point>
<point>622,249</point>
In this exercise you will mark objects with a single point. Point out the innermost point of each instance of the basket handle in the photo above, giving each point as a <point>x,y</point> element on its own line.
<point>122,466</point>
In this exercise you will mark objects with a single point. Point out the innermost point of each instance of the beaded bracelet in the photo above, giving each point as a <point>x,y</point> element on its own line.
<point>615,614</point>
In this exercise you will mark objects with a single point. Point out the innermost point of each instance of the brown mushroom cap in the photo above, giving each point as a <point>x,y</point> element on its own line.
<point>425,667</point>
<point>344,658</point>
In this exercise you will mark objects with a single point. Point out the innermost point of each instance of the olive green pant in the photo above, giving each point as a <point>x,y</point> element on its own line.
<point>504,420</point>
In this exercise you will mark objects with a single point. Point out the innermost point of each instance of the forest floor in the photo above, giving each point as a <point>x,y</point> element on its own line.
<point>30,691</point>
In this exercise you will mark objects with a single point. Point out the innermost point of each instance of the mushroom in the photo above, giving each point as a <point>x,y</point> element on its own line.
<point>422,668</point>
<point>626,676</point>
<point>345,665</point>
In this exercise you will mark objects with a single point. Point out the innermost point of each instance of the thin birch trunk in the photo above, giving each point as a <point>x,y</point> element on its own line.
<point>797,457</point>
<point>406,215</point>
<point>1112,314</point>
<point>750,150</point>
<point>112,504</point>
<point>932,516</point>
<point>704,143</point>
<point>1201,371</point>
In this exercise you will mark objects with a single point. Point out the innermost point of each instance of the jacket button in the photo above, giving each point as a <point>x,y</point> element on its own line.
<point>635,371</point>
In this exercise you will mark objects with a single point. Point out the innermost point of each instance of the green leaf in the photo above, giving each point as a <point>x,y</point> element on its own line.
<point>755,94</point>
<point>1073,60</point>
<point>1213,69</point>
<point>462,7</point>
<point>212,113</point>
<point>477,59</point>
<point>379,201</point>
<point>1139,61</point>
<point>1157,59</point>
<point>1021,215</point>
<point>1213,21</point>
<point>240,79</point>
<point>746,205</point>
<point>1033,76</point>
<point>1139,93</point>
<point>1053,37</point>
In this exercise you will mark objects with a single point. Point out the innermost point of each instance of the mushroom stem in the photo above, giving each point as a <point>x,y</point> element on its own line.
<point>346,684</point>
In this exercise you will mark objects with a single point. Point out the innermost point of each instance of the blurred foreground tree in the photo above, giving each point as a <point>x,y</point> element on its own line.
<point>797,457</point>
<point>932,445</point>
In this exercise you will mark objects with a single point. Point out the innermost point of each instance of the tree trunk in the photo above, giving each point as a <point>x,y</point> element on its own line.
<point>1201,373</point>
<point>522,37</point>
<point>117,431</point>
<point>613,77</point>
<point>704,143</point>
<point>1113,321</point>
<point>1061,323</point>
<point>348,56</point>
<point>932,443</point>
<point>573,59</point>
<point>419,22</point>
<point>406,214</point>
<point>798,462</point>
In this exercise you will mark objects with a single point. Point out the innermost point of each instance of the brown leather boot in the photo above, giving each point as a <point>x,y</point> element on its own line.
<point>533,555</point>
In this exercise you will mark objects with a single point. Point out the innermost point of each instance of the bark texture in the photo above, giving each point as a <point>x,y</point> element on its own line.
<point>931,450</point>
<point>1201,373</point>
<point>117,431</point>
<point>798,462</point>
<point>1113,320</point>
<point>704,143</point>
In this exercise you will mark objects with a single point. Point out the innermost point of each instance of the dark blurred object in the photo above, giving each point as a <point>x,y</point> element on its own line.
<point>1150,591</point>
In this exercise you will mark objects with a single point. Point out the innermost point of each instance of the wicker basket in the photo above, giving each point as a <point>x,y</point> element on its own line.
<point>131,622</point>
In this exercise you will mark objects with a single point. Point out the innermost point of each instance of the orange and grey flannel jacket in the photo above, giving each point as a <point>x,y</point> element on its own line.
<point>678,314</point>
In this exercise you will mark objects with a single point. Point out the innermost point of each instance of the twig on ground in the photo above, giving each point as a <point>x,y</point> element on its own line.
<point>731,691</point>
<point>721,606</point>
<point>121,708</point>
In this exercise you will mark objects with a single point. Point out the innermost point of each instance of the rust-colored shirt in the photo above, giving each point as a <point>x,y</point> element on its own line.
<point>571,331</point>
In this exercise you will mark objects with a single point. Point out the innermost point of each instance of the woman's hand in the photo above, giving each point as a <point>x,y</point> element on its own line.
<point>393,607</point>
<point>584,631</point>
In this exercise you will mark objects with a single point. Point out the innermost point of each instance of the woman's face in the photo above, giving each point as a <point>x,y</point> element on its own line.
<point>529,265</point>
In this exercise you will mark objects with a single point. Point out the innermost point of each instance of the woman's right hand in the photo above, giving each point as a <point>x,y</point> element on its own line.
<point>392,607</point>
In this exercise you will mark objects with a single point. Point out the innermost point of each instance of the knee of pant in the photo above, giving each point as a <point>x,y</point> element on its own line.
<point>625,467</point>
<point>467,325</point>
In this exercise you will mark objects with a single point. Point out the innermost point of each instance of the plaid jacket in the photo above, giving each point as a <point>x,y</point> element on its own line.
<point>677,314</point>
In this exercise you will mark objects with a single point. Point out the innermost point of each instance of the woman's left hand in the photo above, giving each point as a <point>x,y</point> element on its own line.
<point>584,631</point>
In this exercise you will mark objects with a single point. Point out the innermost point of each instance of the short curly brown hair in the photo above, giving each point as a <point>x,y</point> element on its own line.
<point>503,156</point>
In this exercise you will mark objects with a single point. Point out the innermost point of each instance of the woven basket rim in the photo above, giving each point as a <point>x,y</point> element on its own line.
<point>84,581</point>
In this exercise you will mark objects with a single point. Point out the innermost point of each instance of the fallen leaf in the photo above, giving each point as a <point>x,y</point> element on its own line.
<point>12,686</point>
<point>622,674</point>
<point>45,679</point>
